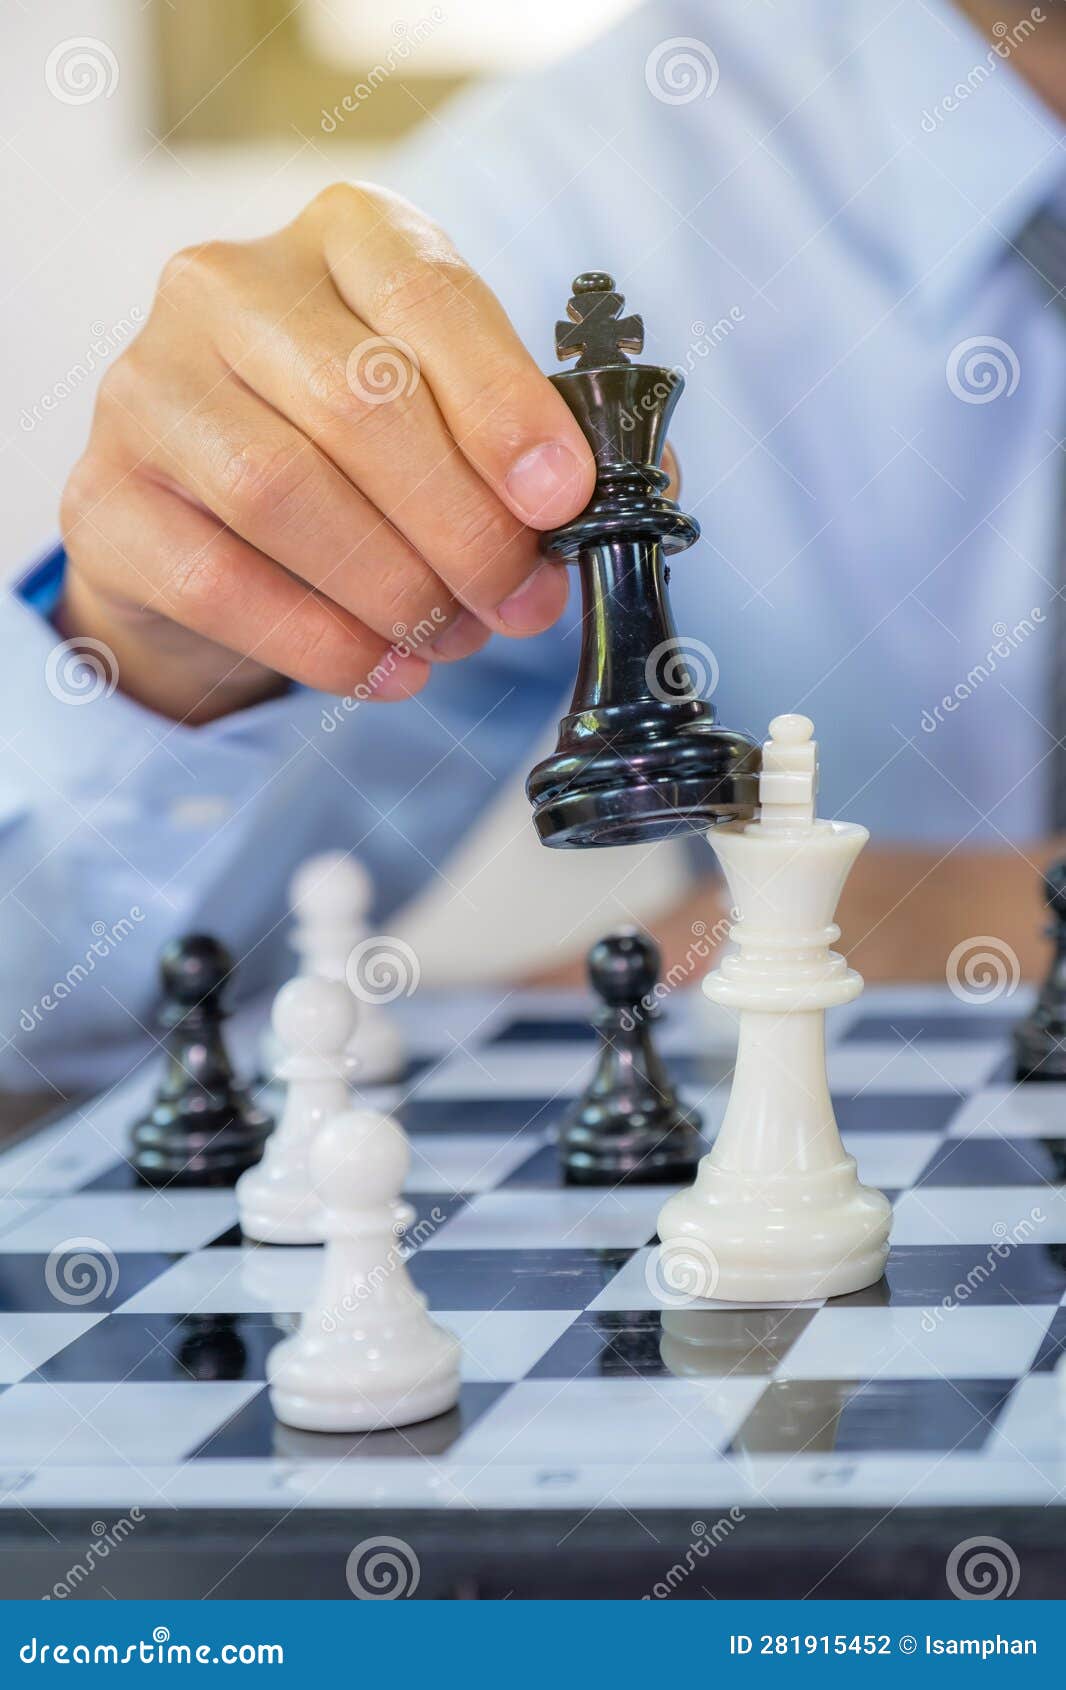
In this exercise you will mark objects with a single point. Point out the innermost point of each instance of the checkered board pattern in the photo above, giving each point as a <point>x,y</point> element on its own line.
<point>935,1386</point>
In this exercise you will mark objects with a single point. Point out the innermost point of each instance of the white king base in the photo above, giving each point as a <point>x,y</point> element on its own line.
<point>777,1213</point>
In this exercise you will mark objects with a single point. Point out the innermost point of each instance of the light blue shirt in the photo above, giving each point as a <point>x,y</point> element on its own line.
<point>820,238</point>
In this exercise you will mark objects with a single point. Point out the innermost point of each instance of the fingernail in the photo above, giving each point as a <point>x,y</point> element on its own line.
<point>460,638</point>
<point>537,602</point>
<point>545,484</point>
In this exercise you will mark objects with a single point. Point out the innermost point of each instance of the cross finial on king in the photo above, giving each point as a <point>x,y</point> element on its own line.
<point>596,330</point>
<point>788,783</point>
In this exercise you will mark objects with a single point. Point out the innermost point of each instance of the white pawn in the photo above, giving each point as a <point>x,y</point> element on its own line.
<point>330,898</point>
<point>312,1022</point>
<point>367,1354</point>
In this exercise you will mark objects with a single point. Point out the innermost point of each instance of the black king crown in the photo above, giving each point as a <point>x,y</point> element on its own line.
<point>640,755</point>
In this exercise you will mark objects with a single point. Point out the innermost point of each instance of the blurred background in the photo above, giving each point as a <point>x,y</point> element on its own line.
<point>131,130</point>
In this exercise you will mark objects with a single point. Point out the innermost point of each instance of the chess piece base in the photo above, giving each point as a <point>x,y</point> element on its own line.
<point>338,1394</point>
<point>592,1155</point>
<point>166,1150</point>
<point>789,1239</point>
<point>271,1217</point>
<point>616,791</point>
<point>1039,1051</point>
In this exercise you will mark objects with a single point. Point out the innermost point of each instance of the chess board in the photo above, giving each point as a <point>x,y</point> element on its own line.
<point>827,1448</point>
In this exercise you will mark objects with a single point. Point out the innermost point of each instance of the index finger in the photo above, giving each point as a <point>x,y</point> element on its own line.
<point>401,275</point>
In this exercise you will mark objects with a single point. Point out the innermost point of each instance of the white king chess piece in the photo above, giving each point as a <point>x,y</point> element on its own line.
<point>311,1022</point>
<point>777,1213</point>
<point>367,1354</point>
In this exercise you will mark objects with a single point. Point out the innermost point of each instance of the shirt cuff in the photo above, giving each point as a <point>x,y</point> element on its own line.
<point>41,584</point>
<point>84,740</point>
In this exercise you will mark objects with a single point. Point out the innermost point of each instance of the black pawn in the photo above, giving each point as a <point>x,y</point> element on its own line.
<point>629,1124</point>
<point>1040,1040</point>
<point>203,1128</point>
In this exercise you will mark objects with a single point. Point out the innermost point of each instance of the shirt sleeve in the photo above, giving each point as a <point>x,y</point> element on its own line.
<point>120,829</point>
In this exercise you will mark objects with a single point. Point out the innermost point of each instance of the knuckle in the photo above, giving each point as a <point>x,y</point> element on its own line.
<point>483,530</point>
<point>321,652</point>
<point>335,394</point>
<point>120,386</point>
<point>337,200</point>
<point>211,264</point>
<point>421,288</point>
<point>492,402</point>
<point>269,482</point>
<point>196,585</point>
<point>83,489</point>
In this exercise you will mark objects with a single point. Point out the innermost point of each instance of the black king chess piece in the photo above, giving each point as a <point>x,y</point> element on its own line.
<point>203,1128</point>
<point>629,1123</point>
<point>1040,1040</point>
<point>640,754</point>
